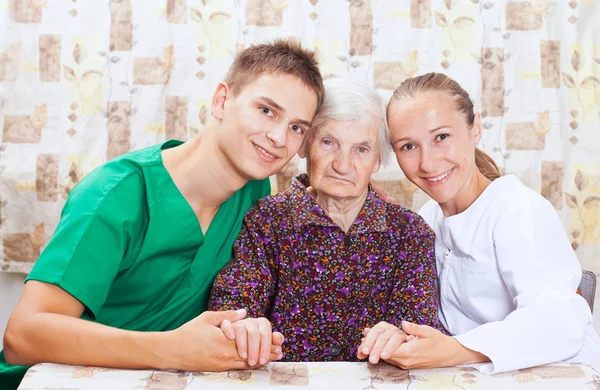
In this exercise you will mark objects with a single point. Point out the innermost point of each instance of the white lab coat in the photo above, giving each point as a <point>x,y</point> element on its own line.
<point>507,278</point>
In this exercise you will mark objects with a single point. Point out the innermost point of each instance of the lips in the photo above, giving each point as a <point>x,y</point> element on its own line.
<point>441,177</point>
<point>264,152</point>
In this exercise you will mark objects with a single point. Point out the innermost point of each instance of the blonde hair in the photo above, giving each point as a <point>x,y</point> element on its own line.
<point>279,57</point>
<point>438,82</point>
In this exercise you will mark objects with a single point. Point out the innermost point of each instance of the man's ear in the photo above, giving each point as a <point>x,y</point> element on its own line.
<point>218,100</point>
<point>476,129</point>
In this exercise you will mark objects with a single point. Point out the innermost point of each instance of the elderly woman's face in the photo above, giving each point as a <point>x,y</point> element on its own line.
<point>341,159</point>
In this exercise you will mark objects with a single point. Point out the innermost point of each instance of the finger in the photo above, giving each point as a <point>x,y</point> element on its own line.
<point>275,356</point>
<point>380,343</point>
<point>264,329</point>
<point>418,330</point>
<point>253,342</point>
<point>241,340</point>
<point>410,337</point>
<point>277,339</point>
<point>371,338</point>
<point>393,343</point>
<point>217,317</point>
<point>366,331</point>
<point>227,329</point>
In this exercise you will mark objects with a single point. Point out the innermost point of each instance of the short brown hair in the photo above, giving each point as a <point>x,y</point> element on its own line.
<point>281,56</point>
<point>438,82</point>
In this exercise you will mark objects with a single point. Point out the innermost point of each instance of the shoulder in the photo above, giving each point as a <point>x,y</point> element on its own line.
<point>400,218</point>
<point>122,178</point>
<point>513,198</point>
<point>269,206</point>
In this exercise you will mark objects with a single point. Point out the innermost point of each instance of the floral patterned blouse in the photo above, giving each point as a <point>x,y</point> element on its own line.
<point>319,286</point>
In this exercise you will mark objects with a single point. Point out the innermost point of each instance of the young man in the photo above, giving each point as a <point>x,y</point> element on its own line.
<point>130,267</point>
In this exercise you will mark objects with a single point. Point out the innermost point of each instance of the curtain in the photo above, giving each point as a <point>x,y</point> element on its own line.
<point>82,82</point>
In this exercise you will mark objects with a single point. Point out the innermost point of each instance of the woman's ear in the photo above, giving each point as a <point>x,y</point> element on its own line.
<point>476,129</point>
<point>377,166</point>
<point>218,100</point>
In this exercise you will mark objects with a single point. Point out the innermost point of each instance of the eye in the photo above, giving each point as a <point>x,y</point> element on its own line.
<point>327,142</point>
<point>267,111</point>
<point>297,129</point>
<point>407,147</point>
<point>441,137</point>
<point>362,149</point>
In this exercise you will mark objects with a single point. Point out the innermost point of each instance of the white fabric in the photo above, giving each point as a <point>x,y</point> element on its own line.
<point>508,278</point>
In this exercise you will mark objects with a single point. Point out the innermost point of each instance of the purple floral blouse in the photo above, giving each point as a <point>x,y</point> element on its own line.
<point>319,286</point>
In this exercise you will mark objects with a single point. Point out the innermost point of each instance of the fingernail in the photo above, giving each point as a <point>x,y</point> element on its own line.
<point>263,360</point>
<point>278,350</point>
<point>365,350</point>
<point>385,354</point>
<point>241,311</point>
<point>280,356</point>
<point>244,355</point>
<point>252,362</point>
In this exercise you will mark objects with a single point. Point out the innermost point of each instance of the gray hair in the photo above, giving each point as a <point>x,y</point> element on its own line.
<point>351,100</point>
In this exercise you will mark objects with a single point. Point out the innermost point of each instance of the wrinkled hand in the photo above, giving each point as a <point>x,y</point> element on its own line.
<point>381,341</point>
<point>381,192</point>
<point>431,348</point>
<point>254,340</point>
<point>200,345</point>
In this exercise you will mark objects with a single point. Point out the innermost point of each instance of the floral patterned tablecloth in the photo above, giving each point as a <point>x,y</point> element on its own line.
<point>345,376</point>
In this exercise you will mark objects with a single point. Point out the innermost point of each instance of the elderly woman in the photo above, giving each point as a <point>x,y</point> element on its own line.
<point>328,258</point>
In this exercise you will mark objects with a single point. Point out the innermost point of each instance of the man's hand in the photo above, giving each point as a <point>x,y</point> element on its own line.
<point>381,341</point>
<point>254,339</point>
<point>200,345</point>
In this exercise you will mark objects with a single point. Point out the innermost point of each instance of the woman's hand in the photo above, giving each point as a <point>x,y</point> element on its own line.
<point>431,348</point>
<point>254,340</point>
<point>381,341</point>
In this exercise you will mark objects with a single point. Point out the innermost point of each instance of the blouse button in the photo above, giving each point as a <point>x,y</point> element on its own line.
<point>334,351</point>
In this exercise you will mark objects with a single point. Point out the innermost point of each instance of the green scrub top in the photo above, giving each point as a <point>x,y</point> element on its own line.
<point>130,247</point>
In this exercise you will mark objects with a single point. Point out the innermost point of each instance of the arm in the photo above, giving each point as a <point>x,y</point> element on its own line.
<point>248,282</point>
<point>45,327</point>
<point>414,296</point>
<point>541,273</point>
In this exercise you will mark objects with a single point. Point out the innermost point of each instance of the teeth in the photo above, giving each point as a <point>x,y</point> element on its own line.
<point>264,151</point>
<point>440,177</point>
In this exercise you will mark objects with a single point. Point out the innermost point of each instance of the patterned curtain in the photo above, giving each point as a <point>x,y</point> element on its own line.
<point>84,81</point>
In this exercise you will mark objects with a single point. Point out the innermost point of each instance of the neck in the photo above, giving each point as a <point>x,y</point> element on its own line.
<point>474,187</point>
<point>343,211</point>
<point>204,189</point>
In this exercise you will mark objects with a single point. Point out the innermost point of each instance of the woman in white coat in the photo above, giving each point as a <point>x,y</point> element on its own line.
<point>507,273</point>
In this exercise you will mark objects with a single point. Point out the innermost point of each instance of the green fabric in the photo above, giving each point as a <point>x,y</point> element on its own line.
<point>130,247</point>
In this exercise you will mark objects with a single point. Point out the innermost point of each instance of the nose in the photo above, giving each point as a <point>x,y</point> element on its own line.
<point>430,160</point>
<point>277,135</point>
<point>342,162</point>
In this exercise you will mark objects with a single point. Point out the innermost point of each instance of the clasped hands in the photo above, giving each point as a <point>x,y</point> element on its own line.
<point>237,342</point>
<point>413,346</point>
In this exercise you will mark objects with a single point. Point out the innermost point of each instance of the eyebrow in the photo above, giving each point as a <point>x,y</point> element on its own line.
<point>277,107</point>
<point>430,132</point>
<point>326,134</point>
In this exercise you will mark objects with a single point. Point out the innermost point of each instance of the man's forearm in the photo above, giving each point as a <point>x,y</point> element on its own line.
<point>47,337</point>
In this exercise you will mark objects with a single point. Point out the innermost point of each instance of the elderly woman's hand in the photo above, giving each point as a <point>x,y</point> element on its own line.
<point>381,341</point>
<point>381,192</point>
<point>254,340</point>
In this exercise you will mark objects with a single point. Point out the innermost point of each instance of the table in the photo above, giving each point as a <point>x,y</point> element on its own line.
<point>329,375</point>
